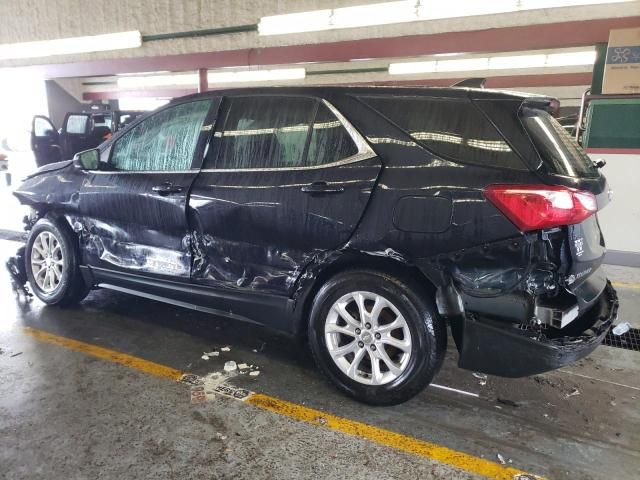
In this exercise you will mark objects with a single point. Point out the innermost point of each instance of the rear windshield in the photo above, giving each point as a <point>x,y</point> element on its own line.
<point>558,150</point>
<point>451,128</point>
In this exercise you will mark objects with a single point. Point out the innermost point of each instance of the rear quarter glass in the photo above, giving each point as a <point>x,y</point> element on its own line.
<point>452,128</point>
<point>559,152</point>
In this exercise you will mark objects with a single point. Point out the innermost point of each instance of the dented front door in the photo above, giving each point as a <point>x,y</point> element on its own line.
<point>134,207</point>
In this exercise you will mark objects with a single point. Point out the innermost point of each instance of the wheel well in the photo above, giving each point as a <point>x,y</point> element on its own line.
<point>410,273</point>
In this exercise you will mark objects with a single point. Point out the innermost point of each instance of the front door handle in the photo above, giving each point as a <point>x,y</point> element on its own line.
<point>166,188</point>
<point>322,187</point>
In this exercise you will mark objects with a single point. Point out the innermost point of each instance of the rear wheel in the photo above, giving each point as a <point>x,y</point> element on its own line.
<point>51,258</point>
<point>377,337</point>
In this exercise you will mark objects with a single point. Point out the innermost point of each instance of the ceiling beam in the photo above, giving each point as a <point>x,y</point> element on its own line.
<point>530,37</point>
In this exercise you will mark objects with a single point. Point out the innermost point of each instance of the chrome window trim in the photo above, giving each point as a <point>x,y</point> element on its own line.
<point>130,172</point>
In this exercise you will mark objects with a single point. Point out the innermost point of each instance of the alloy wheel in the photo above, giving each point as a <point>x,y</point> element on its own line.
<point>368,338</point>
<point>47,262</point>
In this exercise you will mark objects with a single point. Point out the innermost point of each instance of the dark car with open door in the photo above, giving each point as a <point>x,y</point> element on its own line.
<point>369,220</point>
<point>79,131</point>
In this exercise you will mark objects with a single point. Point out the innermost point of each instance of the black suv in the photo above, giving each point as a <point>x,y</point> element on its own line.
<point>367,218</point>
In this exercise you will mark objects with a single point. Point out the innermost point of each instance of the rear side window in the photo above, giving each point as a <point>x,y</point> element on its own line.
<point>281,132</point>
<point>164,141</point>
<point>558,150</point>
<point>451,128</point>
<point>265,132</point>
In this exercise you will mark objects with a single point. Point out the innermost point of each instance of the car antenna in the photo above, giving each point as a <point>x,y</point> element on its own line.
<point>471,83</point>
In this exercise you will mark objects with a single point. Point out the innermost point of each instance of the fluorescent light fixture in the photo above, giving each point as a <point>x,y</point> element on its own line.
<point>462,65</point>
<point>69,46</point>
<point>510,62</point>
<point>402,12</point>
<point>571,59</point>
<point>151,81</point>
<point>191,79</point>
<point>257,75</point>
<point>405,68</point>
<point>517,61</point>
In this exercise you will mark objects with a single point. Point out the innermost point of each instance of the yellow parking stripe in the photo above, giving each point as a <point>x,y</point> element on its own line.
<point>634,286</point>
<point>432,451</point>
<point>105,354</point>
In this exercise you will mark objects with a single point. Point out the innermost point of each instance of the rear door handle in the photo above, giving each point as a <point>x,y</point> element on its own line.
<point>166,188</point>
<point>322,187</point>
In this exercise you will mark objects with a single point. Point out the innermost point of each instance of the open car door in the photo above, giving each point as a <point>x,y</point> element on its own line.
<point>78,134</point>
<point>45,141</point>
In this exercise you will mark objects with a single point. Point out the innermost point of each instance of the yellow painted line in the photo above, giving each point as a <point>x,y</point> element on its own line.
<point>635,286</point>
<point>130,361</point>
<point>397,441</point>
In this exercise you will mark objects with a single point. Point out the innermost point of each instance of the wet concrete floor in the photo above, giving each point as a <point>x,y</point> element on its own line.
<point>64,414</point>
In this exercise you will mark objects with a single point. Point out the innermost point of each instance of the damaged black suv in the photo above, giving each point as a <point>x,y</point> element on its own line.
<point>366,218</point>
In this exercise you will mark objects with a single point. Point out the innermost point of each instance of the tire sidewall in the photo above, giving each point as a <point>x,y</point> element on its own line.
<point>420,318</point>
<point>69,265</point>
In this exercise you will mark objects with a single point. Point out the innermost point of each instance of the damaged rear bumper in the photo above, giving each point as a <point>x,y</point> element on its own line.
<point>497,348</point>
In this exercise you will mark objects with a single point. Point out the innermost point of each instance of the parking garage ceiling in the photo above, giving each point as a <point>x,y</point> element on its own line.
<point>158,47</point>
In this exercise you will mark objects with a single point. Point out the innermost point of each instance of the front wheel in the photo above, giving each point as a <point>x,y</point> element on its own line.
<point>377,337</point>
<point>51,257</point>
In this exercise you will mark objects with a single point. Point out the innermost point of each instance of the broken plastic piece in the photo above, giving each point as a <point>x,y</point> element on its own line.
<point>225,349</point>
<point>205,357</point>
<point>230,366</point>
<point>243,366</point>
<point>191,379</point>
<point>501,459</point>
<point>621,329</point>
<point>482,377</point>
<point>573,393</point>
<point>255,373</point>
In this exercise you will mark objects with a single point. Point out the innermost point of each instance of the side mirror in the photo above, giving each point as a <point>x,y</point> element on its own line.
<point>87,160</point>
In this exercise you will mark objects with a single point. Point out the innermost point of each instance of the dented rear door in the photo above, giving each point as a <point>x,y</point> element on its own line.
<point>287,179</point>
<point>134,207</point>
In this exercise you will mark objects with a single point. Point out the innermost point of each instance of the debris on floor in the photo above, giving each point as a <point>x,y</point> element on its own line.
<point>255,373</point>
<point>572,393</point>
<point>621,329</point>
<point>321,420</point>
<point>481,377</point>
<point>225,349</point>
<point>191,379</point>
<point>16,354</point>
<point>501,459</point>
<point>506,401</point>
<point>230,366</point>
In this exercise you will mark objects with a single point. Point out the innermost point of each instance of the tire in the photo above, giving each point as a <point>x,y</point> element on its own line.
<point>66,285</point>
<point>413,365</point>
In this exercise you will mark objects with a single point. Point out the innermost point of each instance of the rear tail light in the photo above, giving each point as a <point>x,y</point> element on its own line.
<point>536,207</point>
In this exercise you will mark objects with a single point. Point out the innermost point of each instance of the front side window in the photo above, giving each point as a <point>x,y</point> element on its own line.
<point>451,128</point>
<point>164,141</point>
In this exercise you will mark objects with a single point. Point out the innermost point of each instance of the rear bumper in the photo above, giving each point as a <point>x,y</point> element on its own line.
<point>498,348</point>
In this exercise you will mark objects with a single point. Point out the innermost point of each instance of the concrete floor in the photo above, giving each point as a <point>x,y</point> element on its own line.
<point>67,415</point>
